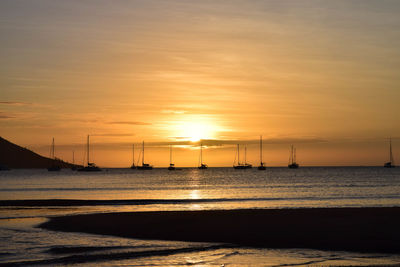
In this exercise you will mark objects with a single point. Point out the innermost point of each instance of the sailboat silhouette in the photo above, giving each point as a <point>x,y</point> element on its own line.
<point>144,166</point>
<point>245,165</point>
<point>171,165</point>
<point>73,161</point>
<point>54,166</point>
<point>90,167</point>
<point>390,164</point>
<point>292,159</point>
<point>202,165</point>
<point>133,157</point>
<point>262,166</point>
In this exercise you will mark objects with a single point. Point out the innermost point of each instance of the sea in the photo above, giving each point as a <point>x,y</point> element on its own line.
<point>23,243</point>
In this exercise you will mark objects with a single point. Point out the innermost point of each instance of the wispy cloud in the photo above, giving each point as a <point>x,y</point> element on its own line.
<point>15,103</point>
<point>129,122</point>
<point>169,111</point>
<point>229,142</point>
<point>113,134</point>
<point>5,116</point>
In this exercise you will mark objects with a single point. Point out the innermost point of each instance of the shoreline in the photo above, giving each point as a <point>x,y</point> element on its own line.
<point>347,229</point>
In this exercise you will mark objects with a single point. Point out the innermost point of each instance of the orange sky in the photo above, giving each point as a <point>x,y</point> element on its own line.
<point>323,75</point>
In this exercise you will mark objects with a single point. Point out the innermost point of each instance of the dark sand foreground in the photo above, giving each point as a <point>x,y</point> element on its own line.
<point>352,229</point>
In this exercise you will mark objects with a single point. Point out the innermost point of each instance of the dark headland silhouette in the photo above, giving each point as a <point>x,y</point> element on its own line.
<point>15,157</point>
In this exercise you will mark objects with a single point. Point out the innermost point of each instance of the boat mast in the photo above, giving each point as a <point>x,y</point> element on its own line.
<point>245,155</point>
<point>201,154</point>
<point>170,154</point>
<point>390,151</point>
<point>73,157</point>
<point>294,156</point>
<point>133,154</point>
<point>143,154</point>
<point>88,150</point>
<point>238,157</point>
<point>52,150</point>
<point>291,155</point>
<point>261,149</point>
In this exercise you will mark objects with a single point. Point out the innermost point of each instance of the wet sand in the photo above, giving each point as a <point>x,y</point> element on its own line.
<point>349,229</point>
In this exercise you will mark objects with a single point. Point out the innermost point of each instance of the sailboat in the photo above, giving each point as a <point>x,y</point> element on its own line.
<point>90,167</point>
<point>202,165</point>
<point>54,166</point>
<point>133,157</point>
<point>73,161</point>
<point>390,164</point>
<point>245,165</point>
<point>144,166</point>
<point>292,159</point>
<point>262,166</point>
<point>171,165</point>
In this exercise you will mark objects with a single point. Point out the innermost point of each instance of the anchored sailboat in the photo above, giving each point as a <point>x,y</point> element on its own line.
<point>292,159</point>
<point>171,165</point>
<point>90,167</point>
<point>245,165</point>
<point>133,157</point>
<point>202,165</point>
<point>73,161</point>
<point>144,166</point>
<point>262,166</point>
<point>390,164</point>
<point>54,166</point>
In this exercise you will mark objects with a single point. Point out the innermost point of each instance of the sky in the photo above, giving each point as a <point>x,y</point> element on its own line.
<point>322,75</point>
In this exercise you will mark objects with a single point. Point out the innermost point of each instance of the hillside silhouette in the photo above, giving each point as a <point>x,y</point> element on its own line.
<point>16,157</point>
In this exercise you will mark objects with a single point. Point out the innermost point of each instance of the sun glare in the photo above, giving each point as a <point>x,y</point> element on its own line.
<point>195,130</point>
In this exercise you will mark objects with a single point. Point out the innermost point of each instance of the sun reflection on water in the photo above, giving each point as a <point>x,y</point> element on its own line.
<point>195,194</point>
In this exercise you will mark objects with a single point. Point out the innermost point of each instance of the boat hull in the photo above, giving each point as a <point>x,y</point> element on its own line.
<point>54,168</point>
<point>242,167</point>
<point>293,166</point>
<point>388,165</point>
<point>203,167</point>
<point>144,167</point>
<point>89,169</point>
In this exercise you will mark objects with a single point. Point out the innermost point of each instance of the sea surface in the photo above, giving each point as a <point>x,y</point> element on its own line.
<point>22,243</point>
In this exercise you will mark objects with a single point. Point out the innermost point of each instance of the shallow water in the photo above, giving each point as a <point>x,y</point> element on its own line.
<point>215,188</point>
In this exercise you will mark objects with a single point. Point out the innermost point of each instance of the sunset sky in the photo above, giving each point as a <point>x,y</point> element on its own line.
<point>322,75</point>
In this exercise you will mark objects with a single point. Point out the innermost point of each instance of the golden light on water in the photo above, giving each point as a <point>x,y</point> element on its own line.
<point>195,194</point>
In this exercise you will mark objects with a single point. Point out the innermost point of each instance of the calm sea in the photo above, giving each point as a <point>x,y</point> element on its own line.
<point>188,189</point>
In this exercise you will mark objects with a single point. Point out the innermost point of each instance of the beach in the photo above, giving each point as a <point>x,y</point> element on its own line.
<point>345,229</point>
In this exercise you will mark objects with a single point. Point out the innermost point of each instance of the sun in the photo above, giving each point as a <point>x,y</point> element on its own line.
<point>195,129</point>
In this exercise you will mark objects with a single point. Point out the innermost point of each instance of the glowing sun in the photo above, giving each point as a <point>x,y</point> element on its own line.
<point>195,130</point>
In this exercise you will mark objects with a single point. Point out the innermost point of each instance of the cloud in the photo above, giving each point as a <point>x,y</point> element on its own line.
<point>6,115</point>
<point>129,122</point>
<point>113,134</point>
<point>14,103</point>
<point>229,142</point>
<point>169,111</point>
